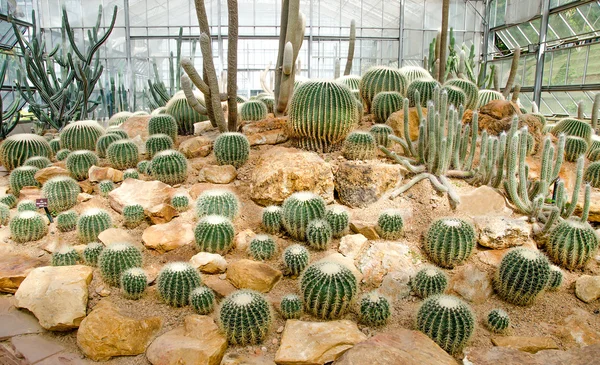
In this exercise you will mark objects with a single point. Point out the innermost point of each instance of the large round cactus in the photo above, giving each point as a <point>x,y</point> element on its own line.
<point>176,281</point>
<point>298,210</point>
<point>413,73</point>
<point>104,141</point>
<point>122,154</point>
<point>218,201</point>
<point>81,135</point>
<point>91,223</point>
<point>231,148</point>
<point>163,124</point>
<point>158,142</point>
<point>425,88</point>
<point>359,145</point>
<point>79,162</point>
<point>522,275</point>
<point>214,233</point>
<point>469,89</point>
<point>592,174</point>
<point>169,166</point>
<point>381,78</point>
<point>16,149</point>
<point>449,241</point>
<point>328,289</point>
<point>385,103</point>
<point>245,317</point>
<point>184,114</point>
<point>115,259</point>
<point>485,96</point>
<point>21,177</point>
<point>571,244</point>
<point>253,110</point>
<point>28,226</point>
<point>61,192</point>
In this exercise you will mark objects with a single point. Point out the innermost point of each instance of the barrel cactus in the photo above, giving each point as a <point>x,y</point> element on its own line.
<point>91,223</point>
<point>184,114</point>
<point>218,201</point>
<point>271,219</point>
<point>163,124</point>
<point>143,167</point>
<point>359,145</point>
<point>485,96</point>
<point>469,89</point>
<point>54,145</point>
<point>456,96</point>
<point>381,134</point>
<point>133,215</point>
<point>65,256</point>
<point>180,202</point>
<point>117,258</point>
<point>295,259</point>
<point>269,101</point>
<point>134,282</point>
<point>158,142</point>
<point>214,233</point>
<point>338,218</point>
<point>298,210</point>
<point>9,199</point>
<point>66,221</point>
<point>262,247</point>
<point>253,110</point>
<point>497,321</point>
<point>231,148</point>
<point>26,205</point>
<point>318,234</point>
<point>202,299</point>
<point>429,281</point>
<point>381,78</point>
<point>28,226</point>
<point>4,214</point>
<point>574,147</point>
<point>413,73</point>
<point>122,154</point>
<point>62,154</point>
<point>104,141</point>
<point>522,275</point>
<point>91,252</point>
<point>22,176</point>
<point>169,166</point>
<point>119,118</point>
<point>61,192</point>
<point>592,174</point>
<point>79,163</point>
<point>245,317</point>
<point>574,127</point>
<point>390,224</point>
<point>571,244</point>
<point>385,103</point>
<point>425,90</point>
<point>291,306</point>
<point>118,131</point>
<point>328,289</point>
<point>81,135</point>
<point>105,187</point>
<point>41,162</point>
<point>16,149</point>
<point>351,81</point>
<point>449,241</point>
<point>176,281</point>
<point>131,174</point>
<point>374,309</point>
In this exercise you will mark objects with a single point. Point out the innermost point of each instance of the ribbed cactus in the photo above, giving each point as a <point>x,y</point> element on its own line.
<point>571,244</point>
<point>163,124</point>
<point>321,114</point>
<point>424,89</point>
<point>456,96</point>
<point>27,226</point>
<point>202,300</point>
<point>359,145</point>
<point>40,162</point>
<point>245,317</point>
<point>91,222</point>
<point>81,135</point>
<point>328,289</point>
<point>133,215</point>
<point>449,241</point>
<point>55,145</point>
<point>176,281</point>
<point>91,252</point>
<point>105,141</point>
<point>21,177</point>
<point>158,142</point>
<point>65,256</point>
<point>592,174</point>
<point>351,81</point>
<point>271,219</point>
<point>318,234</point>
<point>485,96</point>
<point>429,281</point>
<point>169,166</point>
<point>119,118</point>
<point>262,247</point>
<point>9,199</point>
<point>384,104</point>
<point>253,110</point>
<point>298,210</point>
<point>105,187</point>
<point>62,154</point>
<point>118,132</point>
<point>214,233</point>
<point>291,307</point>
<point>522,275</point>
<point>574,147</point>
<point>218,201</point>
<point>134,282</point>
<point>338,218</point>
<point>184,114</point>
<point>122,154</point>
<point>66,221</point>
<point>497,321</point>
<point>16,149</point>
<point>381,78</point>
<point>269,101</point>
<point>144,167</point>
<point>159,111</point>
<point>374,309</point>
<point>448,321</point>
<point>469,89</point>
<point>594,142</point>
<point>381,132</point>
<point>117,258</point>
<point>79,162</point>
<point>231,148</point>
<point>413,73</point>
<point>390,224</point>
<point>295,259</point>
<point>556,278</point>
<point>26,205</point>
<point>131,174</point>
<point>180,201</point>
<point>573,127</point>
<point>4,214</point>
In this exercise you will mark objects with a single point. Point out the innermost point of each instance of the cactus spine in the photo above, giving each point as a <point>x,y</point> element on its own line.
<point>79,163</point>
<point>91,252</point>
<point>592,174</point>
<point>62,154</point>
<point>522,275</point>
<point>9,199</point>
<point>449,241</point>
<point>202,299</point>
<point>214,233</point>
<point>40,162</point>
<point>163,124</point>
<point>556,278</point>
<point>291,307</point>
<point>180,202</point>
<point>4,214</point>
<point>26,205</point>
<point>104,141</point>
<point>318,234</point>
<point>133,215</point>
<point>381,134</point>
<point>130,174</point>
<point>574,147</point>
<point>169,167</point>
<point>105,187</point>
<point>91,223</point>
<point>420,92</point>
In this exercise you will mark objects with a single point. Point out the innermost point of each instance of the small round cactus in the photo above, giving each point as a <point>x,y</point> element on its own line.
<point>9,199</point>
<point>28,226</point>
<point>253,110</point>
<point>176,281</point>
<point>556,278</point>
<point>522,275</point>
<point>374,310</point>
<point>180,202</point>
<point>118,131</point>
<point>298,210</point>
<point>271,219</point>
<point>469,89</point>
<point>62,154</point>
<point>231,148</point>
<point>66,221</point>
<point>105,187</point>
<point>359,146</point>
<point>448,321</point>
<point>79,163</point>
<point>384,104</point>
<point>295,259</point>
<point>449,241</point>
<point>574,147</point>
<point>245,317</point>
<point>571,244</point>
<point>144,167</point>
<point>119,118</point>
<point>169,166</point>
<point>61,192</point>
<point>134,282</point>
<point>26,205</point>
<point>413,73</point>
<point>4,214</point>
<point>55,145</point>
<point>105,141</point>
<point>497,321</point>
<point>158,142</point>
<point>163,124</point>
<point>22,176</point>
<point>202,299</point>
<point>429,281</point>
<point>130,174</point>
<point>217,201</point>
<point>122,154</point>
<point>184,114</point>
<point>91,223</point>
<point>91,252</point>
<point>65,256</point>
<point>592,174</point>
<point>81,135</point>
<point>16,149</point>
<point>338,218</point>
<point>381,134</point>
<point>390,224</point>
<point>484,97</point>
<point>291,306</point>
<point>115,259</point>
<point>214,233</point>
<point>328,289</point>
<point>133,215</point>
<point>318,234</point>
<point>41,162</point>
<point>262,247</point>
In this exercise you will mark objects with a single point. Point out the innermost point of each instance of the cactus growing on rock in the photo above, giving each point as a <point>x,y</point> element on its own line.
<point>592,174</point>
<point>79,162</point>
<point>214,233</point>
<point>231,148</point>
<point>91,223</point>
<point>169,167</point>
<point>115,259</point>
<point>176,281</point>
<point>574,147</point>
<point>262,247</point>
<point>318,234</point>
<point>158,142</point>
<point>133,215</point>
<point>105,187</point>
<point>497,321</point>
<point>66,221</point>
<point>385,103</point>
<point>291,307</point>
<point>16,149</point>
<point>338,218</point>
<point>202,299</point>
<point>218,201</point>
<point>81,135</point>
<point>469,89</point>
<point>359,145</point>
<point>134,282</point>
<point>61,192</point>
<point>163,124</point>
<point>40,162</point>
<point>253,110</point>
<point>449,241</point>
<point>245,317</point>
<point>381,78</point>
<point>26,205</point>
<point>420,92</point>
<point>104,141</point>
<point>390,224</point>
<point>328,289</point>
<point>27,226</point>
<point>9,199</point>
<point>22,176</point>
<point>521,276</point>
<point>271,219</point>
<point>131,174</point>
<point>374,310</point>
<point>62,154</point>
<point>571,244</point>
<point>295,259</point>
<point>298,210</point>
<point>65,256</point>
<point>429,281</point>
<point>91,252</point>
<point>381,134</point>
<point>122,154</point>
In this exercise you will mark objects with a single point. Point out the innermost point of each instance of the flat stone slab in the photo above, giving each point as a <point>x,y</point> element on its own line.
<point>35,348</point>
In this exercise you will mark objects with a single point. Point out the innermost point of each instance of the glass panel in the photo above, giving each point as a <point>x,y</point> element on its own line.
<point>576,65</point>
<point>593,68</point>
<point>559,67</point>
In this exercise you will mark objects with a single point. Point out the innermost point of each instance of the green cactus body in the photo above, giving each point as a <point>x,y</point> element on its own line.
<point>449,241</point>
<point>118,132</point>
<point>65,256</point>
<point>359,146</point>
<point>163,124</point>
<point>66,221</point>
<point>159,111</point>
<point>105,187</point>
<point>594,155</point>
<point>594,142</point>
<point>592,174</point>
<point>79,163</point>
<point>181,202</point>
<point>169,166</point>
<point>245,318</point>
<point>81,135</point>
<point>291,307</point>
<point>218,201</point>
<point>448,321</point>
<point>253,110</point>
<point>269,101</point>
<point>176,281</point>
<point>262,247</point>
<point>92,252</point>
<point>318,234</point>
<point>574,147</point>
<point>119,118</point>
<point>414,73</point>
<point>381,134</point>
<point>41,162</point>
<point>522,275</point>
<point>573,127</point>
<point>497,321</point>
<point>21,177</point>
<point>133,215</point>
<point>26,205</point>
<point>157,143</point>
<point>184,114</point>
<point>16,149</point>
<point>429,281</point>
<point>117,258</point>
<point>385,103</point>
<point>381,78</point>
<point>390,224</point>
<point>295,259</point>
<point>456,96</point>
<point>122,154</point>
<point>62,154</point>
<point>55,145</point>
<point>134,282</point>
<point>91,223</point>
<point>328,289</point>
<point>231,148</point>
<point>214,233</point>
<point>425,89</point>
<point>298,210</point>
<point>202,299</point>
<point>131,174</point>
<point>374,310</point>
<point>61,192</point>
<point>571,244</point>
<point>556,278</point>
<point>271,219</point>
<point>104,141</point>
<point>351,81</point>
<point>338,218</point>
<point>9,199</point>
<point>485,96</point>
<point>27,226</point>
<point>4,214</point>
<point>469,89</point>
<point>144,167</point>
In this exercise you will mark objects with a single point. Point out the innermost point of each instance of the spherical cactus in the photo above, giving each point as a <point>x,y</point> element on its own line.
<point>321,114</point>
<point>28,226</point>
<point>91,222</point>
<point>381,134</point>
<point>65,256</point>
<point>485,96</point>
<point>134,282</point>
<point>469,89</point>
<point>130,174</point>
<point>269,101</point>
<point>338,218</point>
<point>318,234</point>
<point>81,135</point>
<point>573,127</point>
<point>271,219</point>
<point>447,320</point>
<point>456,96</point>
<point>118,132</point>
<point>202,299</point>
<point>26,205</point>
<point>79,163</point>
<point>359,146</point>
<point>592,174</point>
<point>497,320</point>
<point>425,88</point>
<point>298,210</point>
<point>119,118</point>
<point>184,114</point>
<point>16,149</point>
<point>105,187</point>
<point>104,141</point>
<point>381,78</point>
<point>163,124</point>
<point>571,244</point>
<point>180,202</point>
<point>122,154</point>
<point>41,162</point>
<point>9,199</point>
<point>133,215</point>
<point>262,247</point>
<point>328,289</point>
<point>449,241</point>
<point>169,166</point>
<point>429,281</point>
<point>245,317</point>
<point>291,307</point>
<point>374,310</point>
<point>158,142</point>
<point>351,81</point>
<point>214,233</point>
<point>390,224</point>
<point>66,221</point>
<point>413,73</point>
<point>384,104</point>
<point>594,155</point>
<point>295,259</point>
<point>218,201</point>
<point>522,275</point>
<point>253,110</point>
<point>62,154</point>
<point>55,145</point>
<point>91,252</point>
<point>4,214</point>
<point>231,148</point>
<point>144,167</point>
<point>117,258</point>
<point>556,278</point>
<point>21,177</point>
<point>574,147</point>
<point>159,111</point>
<point>176,281</point>
<point>61,192</point>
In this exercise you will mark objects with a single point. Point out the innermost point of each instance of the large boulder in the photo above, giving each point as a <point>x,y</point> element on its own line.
<point>501,232</point>
<point>360,183</point>
<point>587,288</point>
<point>14,268</point>
<point>383,257</point>
<point>148,194</point>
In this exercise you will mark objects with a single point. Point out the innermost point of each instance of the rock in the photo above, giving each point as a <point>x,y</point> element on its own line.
<point>200,127</point>
<point>575,329</point>
<point>579,356</point>
<point>15,322</point>
<point>594,215</point>
<point>148,194</point>
<point>382,257</point>
<point>137,126</point>
<point>217,174</point>
<point>396,285</point>
<point>268,124</point>
<point>209,263</point>
<point>346,261</point>
<point>35,348</point>
<point>242,239</point>
<point>499,355</point>
<point>364,228</point>
<point>248,274</point>
<point>168,236</point>
<point>501,232</point>
<point>87,187</point>
<point>472,284</point>
<point>587,288</point>
<point>114,235</point>
<point>105,333</point>
<point>30,193</point>
<point>14,268</point>
<point>352,244</point>
<point>396,121</point>
<point>47,173</point>
<point>527,344</point>
<point>360,183</point>
<point>221,287</point>
<point>237,359</point>
<point>84,197</point>
<point>140,143</point>
<point>276,136</point>
<point>400,347</point>
<point>56,295</point>
<point>196,147</point>
<point>161,213</point>
<point>309,343</point>
<point>482,201</point>
<point>197,342</point>
<point>274,177</point>
<point>97,174</point>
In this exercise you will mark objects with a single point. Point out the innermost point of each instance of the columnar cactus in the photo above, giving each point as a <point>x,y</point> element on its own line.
<point>133,215</point>
<point>449,241</point>
<point>40,162</point>
<point>413,73</point>
<point>21,177</point>
<point>429,281</point>
<point>469,89</point>
<point>163,124</point>
<point>385,103</point>
<point>28,226</point>
<point>291,307</point>
<point>115,259</point>
<point>485,96</point>
<point>81,135</point>
<point>573,127</point>
<point>131,174</point>
<point>214,233</point>
<point>105,187</point>
<point>79,163</point>
<point>61,192</point>
<point>318,234</point>
<point>253,110</point>
<point>328,289</point>
<point>62,154</point>
<point>169,166</point>
<point>359,145</point>
<point>158,142</point>
<point>425,89</point>
<point>92,252</point>
<point>522,275</point>
<point>104,141</point>
<point>574,147</point>
<point>16,149</point>
<point>26,205</point>
<point>218,201</point>
<point>456,96</point>
<point>134,282</point>
<point>245,317</point>
<point>54,145</point>
<point>176,281</point>
<point>338,218</point>
<point>374,310</point>
<point>381,78</point>
<point>65,256</point>
<point>592,174</point>
<point>231,148</point>
<point>448,321</point>
<point>390,224</point>
<point>4,214</point>
<point>9,199</point>
<point>118,132</point>
<point>144,167</point>
<point>262,247</point>
<point>202,299</point>
<point>556,278</point>
<point>271,219</point>
<point>571,244</point>
<point>298,210</point>
<point>66,221</point>
<point>122,154</point>
<point>497,321</point>
<point>381,134</point>
<point>184,114</point>
<point>180,202</point>
<point>91,223</point>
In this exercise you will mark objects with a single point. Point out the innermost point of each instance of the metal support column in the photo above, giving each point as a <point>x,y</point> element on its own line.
<point>401,33</point>
<point>539,66</point>
<point>310,41</point>
<point>128,52</point>
<point>486,37</point>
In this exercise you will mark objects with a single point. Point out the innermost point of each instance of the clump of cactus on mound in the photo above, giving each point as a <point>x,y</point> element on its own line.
<point>16,149</point>
<point>176,281</point>
<point>298,210</point>
<point>231,148</point>
<point>522,275</point>
<point>328,289</point>
<point>245,317</point>
<point>218,201</point>
<point>81,135</point>
<point>253,110</point>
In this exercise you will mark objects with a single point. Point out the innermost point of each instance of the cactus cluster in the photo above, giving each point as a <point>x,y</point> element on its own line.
<point>338,218</point>
<point>202,299</point>
<point>573,127</point>
<point>122,154</point>
<point>574,147</point>
<point>385,103</point>
<point>54,145</point>
<point>245,317</point>
<point>40,162</point>
<point>295,259</point>
<point>262,247</point>
<point>163,124</point>
<point>413,73</point>
<point>318,234</point>
<point>298,210</point>
<point>390,224</point>
<point>92,252</point>
<point>271,219</point>
<point>381,134</point>
<point>28,226</point>
<point>214,233</point>
<point>105,187</point>
<point>328,289</point>
<point>62,154</point>
<point>133,215</point>
<point>21,177</point>
<point>218,201</point>
<point>65,256</point>
<point>231,148</point>
<point>184,114</point>
<point>359,145</point>
<point>61,192</point>
<point>449,241</point>
<point>469,89</point>
<point>158,142</point>
<point>81,135</point>
<point>381,78</point>
<point>104,141</point>
<point>169,167</point>
<point>291,307</point>
<point>497,320</point>
<point>592,174</point>
<point>485,96</point>
<point>522,275</point>
<point>115,259</point>
<point>9,199</point>
<point>134,282</point>
<point>79,162</point>
<point>16,149</point>
<point>429,281</point>
<point>130,174</point>
<point>374,309</point>
<point>91,223</point>
<point>66,221</point>
<point>571,244</point>
<point>253,110</point>
<point>176,281</point>
<point>180,201</point>
<point>421,91</point>
<point>556,278</point>
<point>26,205</point>
<point>4,214</point>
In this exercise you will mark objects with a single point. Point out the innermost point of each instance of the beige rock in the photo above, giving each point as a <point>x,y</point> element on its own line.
<point>482,201</point>
<point>351,245</point>
<point>316,343</point>
<point>501,232</point>
<point>97,174</point>
<point>268,124</point>
<point>396,121</point>
<point>196,147</point>
<point>197,342</point>
<point>217,174</point>
<point>360,183</point>
<point>168,236</point>
<point>114,235</point>
<point>137,126</point>
<point>30,193</point>
<point>47,173</point>
<point>248,274</point>
<point>499,355</point>
<point>271,137</point>
<point>382,257</point>
<point>209,263</point>
<point>237,359</point>
<point>56,295</point>
<point>594,215</point>
<point>494,257</point>
<point>84,197</point>
<point>365,228</point>
<point>396,285</point>
<point>527,344</point>
<point>105,333</point>
<point>202,127</point>
<point>161,213</point>
<point>148,194</point>
<point>472,284</point>
<point>587,288</point>
<point>575,330</point>
<point>14,268</point>
<point>243,238</point>
<point>221,287</point>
